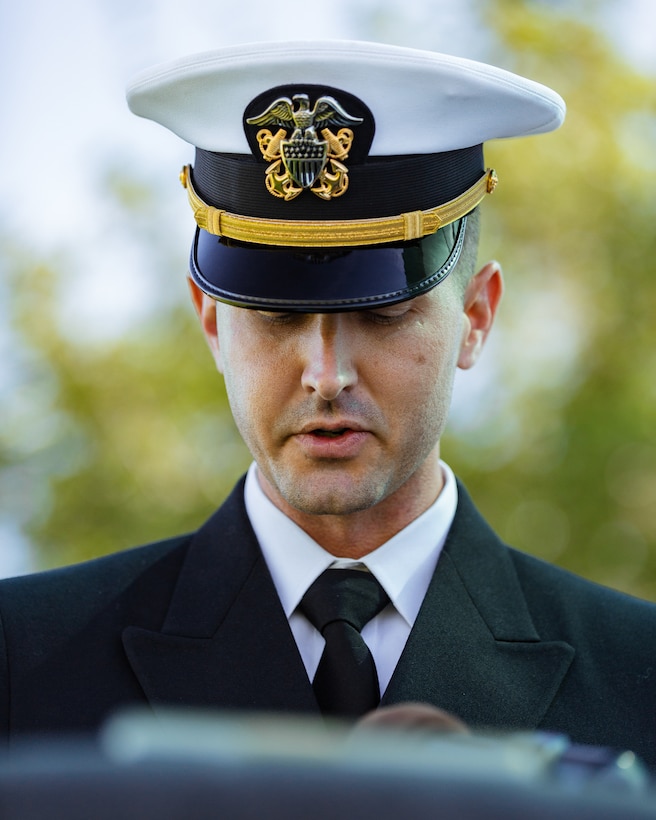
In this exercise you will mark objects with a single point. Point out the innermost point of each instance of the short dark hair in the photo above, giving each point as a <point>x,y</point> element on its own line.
<point>467,264</point>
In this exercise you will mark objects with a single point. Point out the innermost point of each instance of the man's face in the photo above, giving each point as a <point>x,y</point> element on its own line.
<point>344,411</point>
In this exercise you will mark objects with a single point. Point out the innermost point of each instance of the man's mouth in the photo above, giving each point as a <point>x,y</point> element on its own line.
<point>332,442</point>
<point>331,433</point>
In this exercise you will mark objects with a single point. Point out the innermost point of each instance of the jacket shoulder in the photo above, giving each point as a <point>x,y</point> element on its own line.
<point>73,592</point>
<point>563,601</point>
<point>559,601</point>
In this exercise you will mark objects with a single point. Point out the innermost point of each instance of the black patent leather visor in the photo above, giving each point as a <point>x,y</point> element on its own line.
<point>316,280</point>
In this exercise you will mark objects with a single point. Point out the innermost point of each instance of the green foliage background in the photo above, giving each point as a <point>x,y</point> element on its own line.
<point>106,445</point>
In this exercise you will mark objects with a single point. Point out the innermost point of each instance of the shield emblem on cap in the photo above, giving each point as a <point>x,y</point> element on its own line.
<point>304,159</point>
<point>299,162</point>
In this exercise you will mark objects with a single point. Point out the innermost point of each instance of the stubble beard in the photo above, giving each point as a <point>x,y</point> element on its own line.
<point>341,489</point>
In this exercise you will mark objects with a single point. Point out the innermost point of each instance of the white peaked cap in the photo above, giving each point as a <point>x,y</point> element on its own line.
<point>422,102</point>
<point>359,192</point>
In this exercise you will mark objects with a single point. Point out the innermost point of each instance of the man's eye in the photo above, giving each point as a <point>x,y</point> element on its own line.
<point>274,317</point>
<point>387,316</point>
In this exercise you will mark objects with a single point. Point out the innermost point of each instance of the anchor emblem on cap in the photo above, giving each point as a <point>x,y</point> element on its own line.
<point>305,160</point>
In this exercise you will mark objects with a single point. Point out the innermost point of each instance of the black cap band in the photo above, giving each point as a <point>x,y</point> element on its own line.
<point>380,187</point>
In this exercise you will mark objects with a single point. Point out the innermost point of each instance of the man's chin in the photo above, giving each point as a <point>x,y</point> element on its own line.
<point>328,494</point>
<point>329,503</point>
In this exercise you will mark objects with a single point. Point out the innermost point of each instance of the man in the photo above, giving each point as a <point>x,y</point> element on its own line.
<point>335,190</point>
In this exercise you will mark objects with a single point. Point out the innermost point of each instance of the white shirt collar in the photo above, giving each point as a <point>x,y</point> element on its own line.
<point>403,565</point>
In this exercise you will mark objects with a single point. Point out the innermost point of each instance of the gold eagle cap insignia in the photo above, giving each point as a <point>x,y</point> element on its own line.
<point>311,158</point>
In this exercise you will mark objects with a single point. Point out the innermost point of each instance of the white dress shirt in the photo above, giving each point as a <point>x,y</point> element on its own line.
<point>403,566</point>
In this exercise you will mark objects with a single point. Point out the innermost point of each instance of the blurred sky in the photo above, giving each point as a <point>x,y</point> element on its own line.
<point>63,69</point>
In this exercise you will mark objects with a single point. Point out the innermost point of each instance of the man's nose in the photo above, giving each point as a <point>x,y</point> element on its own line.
<point>328,352</point>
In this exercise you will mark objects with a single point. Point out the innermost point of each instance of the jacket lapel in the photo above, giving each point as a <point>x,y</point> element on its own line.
<point>474,650</point>
<point>226,642</point>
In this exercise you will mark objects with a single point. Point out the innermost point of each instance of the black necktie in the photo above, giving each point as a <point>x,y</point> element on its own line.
<point>339,603</point>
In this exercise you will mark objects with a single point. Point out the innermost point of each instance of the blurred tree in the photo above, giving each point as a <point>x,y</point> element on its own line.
<point>567,468</point>
<point>123,441</point>
<point>109,444</point>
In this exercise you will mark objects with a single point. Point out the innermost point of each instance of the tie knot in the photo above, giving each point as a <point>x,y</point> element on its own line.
<point>349,595</point>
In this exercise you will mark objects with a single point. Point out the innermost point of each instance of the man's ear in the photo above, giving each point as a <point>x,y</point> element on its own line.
<point>481,301</point>
<point>205,308</point>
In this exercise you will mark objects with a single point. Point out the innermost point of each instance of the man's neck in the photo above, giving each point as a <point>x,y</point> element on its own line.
<point>356,534</point>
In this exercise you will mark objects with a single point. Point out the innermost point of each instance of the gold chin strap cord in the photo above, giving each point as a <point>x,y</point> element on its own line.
<point>335,233</point>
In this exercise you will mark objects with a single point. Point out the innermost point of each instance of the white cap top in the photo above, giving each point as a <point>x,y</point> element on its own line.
<point>422,102</point>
